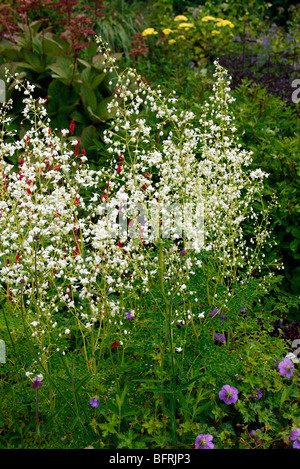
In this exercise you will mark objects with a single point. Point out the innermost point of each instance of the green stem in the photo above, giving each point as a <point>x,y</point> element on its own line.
<point>37,422</point>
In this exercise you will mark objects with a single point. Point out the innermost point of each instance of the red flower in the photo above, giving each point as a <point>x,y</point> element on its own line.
<point>76,151</point>
<point>120,246</point>
<point>77,199</point>
<point>72,127</point>
<point>114,344</point>
<point>18,257</point>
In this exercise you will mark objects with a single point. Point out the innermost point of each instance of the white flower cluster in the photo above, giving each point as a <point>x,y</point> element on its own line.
<point>177,186</point>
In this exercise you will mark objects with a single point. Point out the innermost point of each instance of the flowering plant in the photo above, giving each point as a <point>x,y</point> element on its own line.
<point>81,247</point>
<point>197,35</point>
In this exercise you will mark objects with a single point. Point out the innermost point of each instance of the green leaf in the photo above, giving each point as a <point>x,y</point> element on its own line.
<point>88,136</point>
<point>52,47</point>
<point>60,95</point>
<point>295,231</point>
<point>102,111</point>
<point>294,244</point>
<point>78,117</point>
<point>98,62</point>
<point>63,68</point>
<point>88,97</point>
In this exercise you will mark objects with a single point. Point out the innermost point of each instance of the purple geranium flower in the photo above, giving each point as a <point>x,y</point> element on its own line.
<point>220,337</point>
<point>214,312</point>
<point>286,368</point>
<point>94,402</point>
<point>254,433</point>
<point>129,315</point>
<point>228,394</point>
<point>295,437</point>
<point>257,395</point>
<point>204,442</point>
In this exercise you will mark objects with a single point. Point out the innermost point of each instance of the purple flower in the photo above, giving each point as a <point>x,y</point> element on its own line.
<point>129,315</point>
<point>37,382</point>
<point>220,337</point>
<point>243,310</point>
<point>214,312</point>
<point>255,433</point>
<point>295,437</point>
<point>228,394</point>
<point>257,395</point>
<point>94,402</point>
<point>238,377</point>
<point>286,368</point>
<point>204,442</point>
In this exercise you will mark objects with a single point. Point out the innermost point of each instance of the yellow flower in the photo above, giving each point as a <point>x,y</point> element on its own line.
<point>149,32</point>
<point>171,41</point>
<point>208,18</point>
<point>224,23</point>
<point>180,18</point>
<point>181,37</point>
<point>185,25</point>
<point>214,32</point>
<point>167,31</point>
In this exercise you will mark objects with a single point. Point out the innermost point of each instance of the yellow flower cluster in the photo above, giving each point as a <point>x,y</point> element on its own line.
<point>185,25</point>
<point>180,18</point>
<point>222,23</point>
<point>149,32</point>
<point>208,18</point>
<point>219,21</point>
<point>167,31</point>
